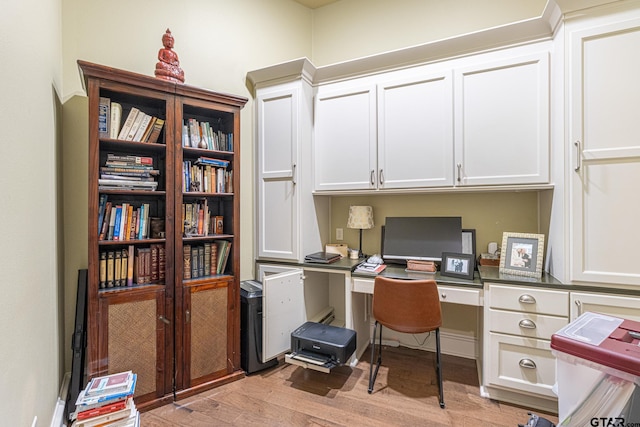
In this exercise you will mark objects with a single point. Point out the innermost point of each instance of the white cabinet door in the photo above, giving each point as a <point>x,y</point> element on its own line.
<point>277,200</point>
<point>502,122</point>
<point>415,132</point>
<point>605,152</point>
<point>345,138</point>
<point>283,310</point>
<point>626,307</point>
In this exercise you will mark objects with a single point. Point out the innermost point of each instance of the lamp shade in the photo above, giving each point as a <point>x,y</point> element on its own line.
<point>360,217</point>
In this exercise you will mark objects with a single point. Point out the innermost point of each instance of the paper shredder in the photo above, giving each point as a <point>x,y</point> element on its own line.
<point>251,328</point>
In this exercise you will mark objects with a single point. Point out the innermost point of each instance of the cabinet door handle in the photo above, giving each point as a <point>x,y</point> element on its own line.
<point>293,174</point>
<point>527,363</point>
<point>578,156</point>
<point>527,299</point>
<point>164,319</point>
<point>527,324</point>
<point>187,316</point>
<point>381,177</point>
<point>459,166</point>
<point>579,305</point>
<point>373,177</point>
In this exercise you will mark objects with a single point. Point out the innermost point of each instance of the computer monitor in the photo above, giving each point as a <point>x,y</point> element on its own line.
<point>421,238</point>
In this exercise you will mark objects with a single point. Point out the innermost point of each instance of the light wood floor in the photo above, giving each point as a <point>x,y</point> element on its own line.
<point>405,394</point>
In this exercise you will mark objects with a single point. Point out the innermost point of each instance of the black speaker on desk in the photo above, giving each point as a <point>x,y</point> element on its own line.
<point>251,328</point>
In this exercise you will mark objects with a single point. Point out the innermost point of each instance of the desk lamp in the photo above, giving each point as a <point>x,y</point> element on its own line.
<point>360,217</point>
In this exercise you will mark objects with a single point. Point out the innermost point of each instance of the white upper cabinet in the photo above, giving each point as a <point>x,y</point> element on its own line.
<point>604,147</point>
<point>502,122</point>
<point>345,138</point>
<point>415,132</point>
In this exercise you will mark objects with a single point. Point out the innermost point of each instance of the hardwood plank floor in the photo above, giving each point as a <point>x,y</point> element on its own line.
<point>405,394</point>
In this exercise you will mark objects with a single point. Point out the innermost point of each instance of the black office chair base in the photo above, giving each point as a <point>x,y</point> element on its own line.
<point>373,374</point>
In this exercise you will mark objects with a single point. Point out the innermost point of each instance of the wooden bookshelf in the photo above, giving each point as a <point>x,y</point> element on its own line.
<point>179,335</point>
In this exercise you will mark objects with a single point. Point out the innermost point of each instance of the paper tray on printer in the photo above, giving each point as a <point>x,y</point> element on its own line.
<point>309,360</point>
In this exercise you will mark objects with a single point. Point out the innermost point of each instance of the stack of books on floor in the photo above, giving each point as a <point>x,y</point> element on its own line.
<point>107,401</point>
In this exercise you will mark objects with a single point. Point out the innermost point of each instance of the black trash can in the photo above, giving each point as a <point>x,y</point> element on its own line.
<point>251,328</point>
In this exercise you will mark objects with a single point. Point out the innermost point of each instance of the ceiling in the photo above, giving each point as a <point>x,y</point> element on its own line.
<point>314,4</point>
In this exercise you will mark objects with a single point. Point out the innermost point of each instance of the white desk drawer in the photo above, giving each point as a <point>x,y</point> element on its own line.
<point>525,324</point>
<point>449,294</point>
<point>531,300</point>
<point>524,364</point>
<point>362,285</point>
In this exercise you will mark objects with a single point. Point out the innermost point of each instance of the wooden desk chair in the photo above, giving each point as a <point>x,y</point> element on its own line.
<point>409,306</point>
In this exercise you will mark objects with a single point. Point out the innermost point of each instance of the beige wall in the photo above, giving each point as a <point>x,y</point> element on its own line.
<point>31,302</point>
<point>350,29</point>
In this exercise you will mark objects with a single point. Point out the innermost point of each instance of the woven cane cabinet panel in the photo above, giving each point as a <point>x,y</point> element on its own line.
<point>147,321</point>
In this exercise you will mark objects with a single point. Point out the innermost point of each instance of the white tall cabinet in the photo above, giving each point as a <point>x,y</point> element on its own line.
<point>291,222</point>
<point>604,145</point>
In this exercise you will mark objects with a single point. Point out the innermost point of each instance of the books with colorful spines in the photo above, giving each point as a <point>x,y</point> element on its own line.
<point>116,115</point>
<point>101,408</point>
<point>131,117</point>
<point>112,223</point>
<point>155,132</point>
<point>107,419</point>
<point>219,163</point>
<point>116,224</point>
<point>104,117</point>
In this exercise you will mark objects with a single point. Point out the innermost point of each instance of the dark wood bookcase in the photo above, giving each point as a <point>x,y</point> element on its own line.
<point>179,332</point>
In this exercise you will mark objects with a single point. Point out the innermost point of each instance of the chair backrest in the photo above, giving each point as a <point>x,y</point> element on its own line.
<point>410,306</point>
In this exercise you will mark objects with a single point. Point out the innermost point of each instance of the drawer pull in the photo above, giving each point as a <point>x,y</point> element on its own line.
<point>527,363</point>
<point>443,295</point>
<point>527,299</point>
<point>527,324</point>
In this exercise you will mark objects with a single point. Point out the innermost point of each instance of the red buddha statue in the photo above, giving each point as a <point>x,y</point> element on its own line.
<point>168,66</point>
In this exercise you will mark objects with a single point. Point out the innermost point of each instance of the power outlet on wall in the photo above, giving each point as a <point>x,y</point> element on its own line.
<point>339,234</point>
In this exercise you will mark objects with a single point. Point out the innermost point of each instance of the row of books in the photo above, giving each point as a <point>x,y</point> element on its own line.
<point>138,126</point>
<point>197,134</point>
<point>122,221</point>
<point>128,172</point>
<point>129,266</point>
<point>198,221</point>
<point>207,175</point>
<point>205,259</point>
<point>107,401</point>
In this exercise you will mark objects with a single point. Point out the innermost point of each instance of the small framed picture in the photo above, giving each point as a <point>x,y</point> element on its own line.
<point>522,254</point>
<point>457,265</point>
<point>469,241</point>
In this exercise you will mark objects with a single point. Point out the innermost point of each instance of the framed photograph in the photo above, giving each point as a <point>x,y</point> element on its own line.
<point>522,254</point>
<point>457,265</point>
<point>469,241</point>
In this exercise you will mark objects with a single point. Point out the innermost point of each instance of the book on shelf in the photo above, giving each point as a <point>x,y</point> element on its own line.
<point>105,221</point>
<point>155,132</point>
<point>104,117</point>
<point>162,263</point>
<point>125,267</point>
<point>214,259</point>
<point>200,261</point>
<point>186,262</point>
<point>128,123</point>
<point>110,269</point>
<point>195,260</point>
<point>154,263</point>
<point>129,159</point>
<point>224,248</point>
<point>126,184</point>
<point>101,208</point>
<point>130,266</point>
<point>117,269</point>
<point>134,127</point>
<point>142,128</point>
<point>116,224</point>
<point>147,131</point>
<point>116,116</point>
<point>103,270</point>
<point>207,259</point>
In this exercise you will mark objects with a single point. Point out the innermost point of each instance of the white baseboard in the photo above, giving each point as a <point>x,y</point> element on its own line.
<point>57,420</point>
<point>451,343</point>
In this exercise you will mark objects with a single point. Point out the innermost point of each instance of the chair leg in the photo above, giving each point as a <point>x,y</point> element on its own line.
<point>372,374</point>
<point>439,368</point>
